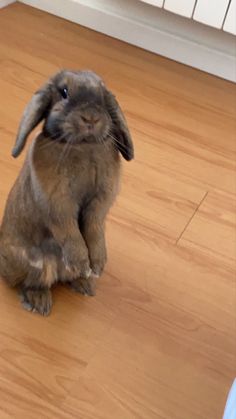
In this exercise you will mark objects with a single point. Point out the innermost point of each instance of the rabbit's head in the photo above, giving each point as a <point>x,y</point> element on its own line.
<point>76,107</point>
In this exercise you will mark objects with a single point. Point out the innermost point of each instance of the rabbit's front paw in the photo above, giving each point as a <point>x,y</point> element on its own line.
<point>98,260</point>
<point>97,268</point>
<point>77,263</point>
<point>84,286</point>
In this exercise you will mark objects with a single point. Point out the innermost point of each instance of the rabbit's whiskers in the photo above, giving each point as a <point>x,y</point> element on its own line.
<point>116,141</point>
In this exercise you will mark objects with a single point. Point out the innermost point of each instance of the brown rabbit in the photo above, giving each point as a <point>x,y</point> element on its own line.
<point>53,226</point>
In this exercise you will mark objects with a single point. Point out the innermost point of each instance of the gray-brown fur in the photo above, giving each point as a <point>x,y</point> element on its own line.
<point>53,225</point>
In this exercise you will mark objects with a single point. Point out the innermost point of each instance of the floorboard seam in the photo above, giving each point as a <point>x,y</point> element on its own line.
<point>191,218</point>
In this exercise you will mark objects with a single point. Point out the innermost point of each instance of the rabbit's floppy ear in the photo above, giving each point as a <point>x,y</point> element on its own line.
<point>119,127</point>
<point>34,113</point>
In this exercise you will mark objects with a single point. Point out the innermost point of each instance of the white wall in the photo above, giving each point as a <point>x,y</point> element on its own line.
<point>4,3</point>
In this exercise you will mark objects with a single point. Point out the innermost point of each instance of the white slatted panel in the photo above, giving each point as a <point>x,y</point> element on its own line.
<point>181,7</point>
<point>211,12</point>
<point>230,21</point>
<point>158,3</point>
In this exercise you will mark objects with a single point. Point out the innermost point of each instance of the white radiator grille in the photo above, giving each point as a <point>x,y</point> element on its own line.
<point>181,7</point>
<point>219,14</point>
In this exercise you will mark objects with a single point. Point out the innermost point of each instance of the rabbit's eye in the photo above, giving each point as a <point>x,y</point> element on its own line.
<point>64,92</point>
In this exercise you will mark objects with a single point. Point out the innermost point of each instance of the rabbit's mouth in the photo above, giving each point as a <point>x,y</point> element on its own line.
<point>79,132</point>
<point>89,138</point>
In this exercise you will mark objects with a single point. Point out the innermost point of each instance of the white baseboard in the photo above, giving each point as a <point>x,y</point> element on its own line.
<point>4,3</point>
<point>153,29</point>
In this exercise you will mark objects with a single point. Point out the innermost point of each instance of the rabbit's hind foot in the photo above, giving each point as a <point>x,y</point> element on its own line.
<point>37,300</point>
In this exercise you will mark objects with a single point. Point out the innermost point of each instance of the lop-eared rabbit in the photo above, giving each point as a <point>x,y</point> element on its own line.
<point>53,225</point>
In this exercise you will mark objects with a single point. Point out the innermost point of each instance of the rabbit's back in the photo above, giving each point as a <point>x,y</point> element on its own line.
<point>20,217</point>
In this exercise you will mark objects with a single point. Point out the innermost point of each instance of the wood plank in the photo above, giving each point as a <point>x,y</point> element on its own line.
<point>141,370</point>
<point>213,229</point>
<point>40,361</point>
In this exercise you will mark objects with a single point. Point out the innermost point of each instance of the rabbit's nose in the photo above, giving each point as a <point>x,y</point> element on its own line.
<point>90,120</point>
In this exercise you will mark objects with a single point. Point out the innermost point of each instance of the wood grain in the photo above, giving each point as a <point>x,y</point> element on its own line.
<point>159,339</point>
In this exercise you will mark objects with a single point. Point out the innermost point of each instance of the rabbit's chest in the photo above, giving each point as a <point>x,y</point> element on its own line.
<point>94,173</point>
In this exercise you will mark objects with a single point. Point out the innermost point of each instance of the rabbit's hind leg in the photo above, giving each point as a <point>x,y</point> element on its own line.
<point>14,263</point>
<point>31,271</point>
<point>36,294</point>
<point>35,290</point>
<point>38,300</point>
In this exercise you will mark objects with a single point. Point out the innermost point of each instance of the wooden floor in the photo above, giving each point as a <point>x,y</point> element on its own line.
<point>159,340</point>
